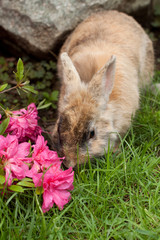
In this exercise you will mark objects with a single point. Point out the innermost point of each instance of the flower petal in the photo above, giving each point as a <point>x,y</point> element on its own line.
<point>47,201</point>
<point>23,150</point>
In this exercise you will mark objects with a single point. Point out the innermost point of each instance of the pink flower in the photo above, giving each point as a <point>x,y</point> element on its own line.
<point>42,157</point>
<point>56,188</point>
<point>45,165</point>
<point>56,185</point>
<point>46,172</point>
<point>24,124</point>
<point>13,157</point>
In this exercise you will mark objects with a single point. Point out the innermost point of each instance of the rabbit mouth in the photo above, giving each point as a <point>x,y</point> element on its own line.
<point>68,164</point>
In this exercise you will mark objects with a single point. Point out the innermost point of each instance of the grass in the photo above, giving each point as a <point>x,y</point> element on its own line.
<point>115,197</point>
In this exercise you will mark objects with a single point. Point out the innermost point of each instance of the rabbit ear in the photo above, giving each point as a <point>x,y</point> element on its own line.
<point>70,75</point>
<point>102,83</point>
<point>108,76</point>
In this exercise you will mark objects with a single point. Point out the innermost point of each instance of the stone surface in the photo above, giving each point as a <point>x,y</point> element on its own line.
<point>39,26</point>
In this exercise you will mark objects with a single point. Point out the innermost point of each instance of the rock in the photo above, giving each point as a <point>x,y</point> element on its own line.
<point>39,26</point>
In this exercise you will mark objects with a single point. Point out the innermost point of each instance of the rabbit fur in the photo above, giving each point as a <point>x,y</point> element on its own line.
<point>102,65</point>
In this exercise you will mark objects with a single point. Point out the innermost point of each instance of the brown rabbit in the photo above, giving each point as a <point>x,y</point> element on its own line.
<point>102,64</point>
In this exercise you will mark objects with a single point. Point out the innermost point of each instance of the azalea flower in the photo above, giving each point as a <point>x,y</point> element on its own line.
<point>46,172</point>
<point>13,157</point>
<point>24,124</point>
<point>43,167</point>
<point>56,184</point>
<point>42,157</point>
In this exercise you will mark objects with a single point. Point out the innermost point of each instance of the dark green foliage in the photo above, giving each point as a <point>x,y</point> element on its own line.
<point>156,21</point>
<point>42,77</point>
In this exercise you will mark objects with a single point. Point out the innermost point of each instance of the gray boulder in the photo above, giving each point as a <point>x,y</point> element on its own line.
<point>40,26</point>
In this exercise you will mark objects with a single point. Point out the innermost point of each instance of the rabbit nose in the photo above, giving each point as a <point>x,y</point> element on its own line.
<point>68,163</point>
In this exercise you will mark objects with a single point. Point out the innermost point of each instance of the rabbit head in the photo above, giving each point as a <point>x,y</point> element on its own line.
<point>85,124</point>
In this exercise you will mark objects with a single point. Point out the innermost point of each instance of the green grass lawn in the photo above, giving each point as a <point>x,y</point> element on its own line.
<point>115,197</point>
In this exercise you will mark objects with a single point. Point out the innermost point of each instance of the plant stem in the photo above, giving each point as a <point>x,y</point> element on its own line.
<point>3,110</point>
<point>7,90</point>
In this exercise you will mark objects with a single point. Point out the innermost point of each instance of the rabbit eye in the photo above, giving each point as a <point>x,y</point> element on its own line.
<point>91,134</point>
<point>88,135</point>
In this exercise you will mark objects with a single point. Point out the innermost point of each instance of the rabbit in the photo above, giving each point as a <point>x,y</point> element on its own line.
<point>102,65</point>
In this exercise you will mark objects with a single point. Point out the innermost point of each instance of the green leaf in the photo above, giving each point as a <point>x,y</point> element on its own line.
<point>4,125</point>
<point>26,82</point>
<point>2,61</point>
<point>15,179</point>
<point>2,179</point>
<point>54,106</point>
<point>18,91</point>
<point>29,89</point>
<point>41,103</point>
<point>2,105</point>
<point>156,22</point>
<point>20,70</point>
<point>46,95</point>
<point>16,188</point>
<point>26,184</point>
<point>54,95</point>
<point>157,9</point>
<point>44,106</point>
<point>1,170</point>
<point>27,180</point>
<point>16,76</point>
<point>2,87</point>
<point>53,65</point>
<point>39,190</point>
